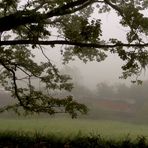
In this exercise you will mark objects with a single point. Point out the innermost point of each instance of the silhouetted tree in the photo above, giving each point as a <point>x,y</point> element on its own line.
<point>27,25</point>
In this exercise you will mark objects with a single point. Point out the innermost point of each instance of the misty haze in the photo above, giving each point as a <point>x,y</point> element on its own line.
<point>73,73</point>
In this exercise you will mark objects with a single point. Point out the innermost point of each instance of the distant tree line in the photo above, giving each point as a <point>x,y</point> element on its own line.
<point>121,91</point>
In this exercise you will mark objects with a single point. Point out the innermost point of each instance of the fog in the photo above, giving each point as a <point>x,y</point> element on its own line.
<point>97,84</point>
<point>109,101</point>
<point>108,70</point>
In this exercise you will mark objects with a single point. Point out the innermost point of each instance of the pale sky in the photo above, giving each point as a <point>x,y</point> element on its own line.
<point>94,72</point>
<point>110,69</point>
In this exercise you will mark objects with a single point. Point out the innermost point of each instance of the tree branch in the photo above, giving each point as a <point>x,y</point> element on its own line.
<point>26,17</point>
<point>63,42</point>
<point>115,7</point>
<point>14,83</point>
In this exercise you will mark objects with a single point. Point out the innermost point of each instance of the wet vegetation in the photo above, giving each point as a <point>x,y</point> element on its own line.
<point>74,133</point>
<point>23,140</point>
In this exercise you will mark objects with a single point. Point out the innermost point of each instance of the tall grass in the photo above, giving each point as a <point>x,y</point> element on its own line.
<point>25,140</point>
<point>63,127</point>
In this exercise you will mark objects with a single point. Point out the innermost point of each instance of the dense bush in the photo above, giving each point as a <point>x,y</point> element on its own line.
<point>25,140</point>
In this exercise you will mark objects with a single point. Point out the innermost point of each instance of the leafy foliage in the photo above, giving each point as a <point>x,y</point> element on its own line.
<point>35,22</point>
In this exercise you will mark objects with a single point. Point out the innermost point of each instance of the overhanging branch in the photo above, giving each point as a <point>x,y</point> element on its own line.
<point>114,7</point>
<point>12,21</point>
<point>63,42</point>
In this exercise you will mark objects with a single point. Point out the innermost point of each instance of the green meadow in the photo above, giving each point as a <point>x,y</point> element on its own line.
<point>66,127</point>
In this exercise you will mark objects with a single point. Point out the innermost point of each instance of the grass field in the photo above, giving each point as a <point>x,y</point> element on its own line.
<point>64,127</point>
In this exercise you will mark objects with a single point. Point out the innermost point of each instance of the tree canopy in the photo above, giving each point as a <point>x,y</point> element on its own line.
<point>28,25</point>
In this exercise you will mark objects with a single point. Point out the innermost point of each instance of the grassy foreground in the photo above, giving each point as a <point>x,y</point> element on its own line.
<point>71,133</point>
<point>63,127</point>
